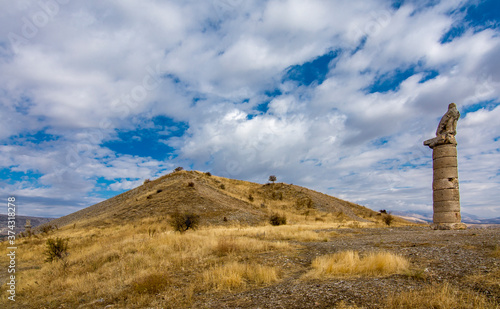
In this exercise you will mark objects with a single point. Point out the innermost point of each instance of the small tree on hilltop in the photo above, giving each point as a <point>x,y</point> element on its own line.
<point>272,178</point>
<point>178,169</point>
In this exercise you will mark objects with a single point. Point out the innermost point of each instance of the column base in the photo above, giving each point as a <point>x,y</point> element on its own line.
<point>448,226</point>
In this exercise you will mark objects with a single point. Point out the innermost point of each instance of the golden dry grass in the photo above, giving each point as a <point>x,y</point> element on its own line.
<point>236,275</point>
<point>496,252</point>
<point>123,264</point>
<point>350,263</point>
<point>442,296</point>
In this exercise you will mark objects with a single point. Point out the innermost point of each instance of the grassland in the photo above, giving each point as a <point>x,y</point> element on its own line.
<point>130,266</point>
<point>123,253</point>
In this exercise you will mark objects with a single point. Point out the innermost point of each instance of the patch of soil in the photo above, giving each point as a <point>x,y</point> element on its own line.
<point>435,256</point>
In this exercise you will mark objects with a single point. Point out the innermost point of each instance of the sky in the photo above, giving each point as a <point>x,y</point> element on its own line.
<point>336,96</point>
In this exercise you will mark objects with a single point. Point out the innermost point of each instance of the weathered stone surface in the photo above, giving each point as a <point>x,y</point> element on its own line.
<point>446,150</point>
<point>446,183</point>
<point>449,226</point>
<point>444,206</point>
<point>447,128</point>
<point>446,195</point>
<point>445,191</point>
<point>445,173</point>
<point>444,162</point>
<point>447,217</point>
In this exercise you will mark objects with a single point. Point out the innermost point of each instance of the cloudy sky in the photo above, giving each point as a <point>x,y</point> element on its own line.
<point>337,96</point>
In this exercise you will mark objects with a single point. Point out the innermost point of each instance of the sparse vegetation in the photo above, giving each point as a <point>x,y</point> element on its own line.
<point>191,184</point>
<point>159,268</point>
<point>178,169</point>
<point>57,249</point>
<point>272,178</point>
<point>277,219</point>
<point>125,261</point>
<point>183,222</point>
<point>388,219</point>
<point>47,228</point>
<point>348,263</point>
<point>222,186</point>
<point>250,197</point>
<point>208,174</point>
<point>150,284</point>
<point>439,296</point>
<point>235,275</point>
<point>496,251</point>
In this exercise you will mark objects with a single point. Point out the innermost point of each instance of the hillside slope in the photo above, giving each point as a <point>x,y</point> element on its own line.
<point>217,200</point>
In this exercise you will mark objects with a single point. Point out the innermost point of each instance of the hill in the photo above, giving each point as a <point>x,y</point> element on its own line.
<point>217,200</point>
<point>20,222</point>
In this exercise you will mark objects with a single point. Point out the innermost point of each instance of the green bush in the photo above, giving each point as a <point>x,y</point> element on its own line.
<point>276,219</point>
<point>183,222</point>
<point>56,249</point>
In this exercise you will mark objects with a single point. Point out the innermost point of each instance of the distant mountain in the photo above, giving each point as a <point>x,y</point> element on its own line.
<point>422,216</point>
<point>217,200</point>
<point>20,222</point>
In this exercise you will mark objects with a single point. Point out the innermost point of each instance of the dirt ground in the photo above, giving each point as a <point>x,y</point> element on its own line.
<point>465,259</point>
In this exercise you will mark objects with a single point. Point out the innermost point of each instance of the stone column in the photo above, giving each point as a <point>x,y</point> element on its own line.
<point>446,195</point>
<point>445,191</point>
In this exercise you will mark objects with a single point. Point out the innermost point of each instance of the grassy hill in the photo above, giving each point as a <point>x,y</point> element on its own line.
<point>20,223</point>
<point>123,253</point>
<point>218,201</point>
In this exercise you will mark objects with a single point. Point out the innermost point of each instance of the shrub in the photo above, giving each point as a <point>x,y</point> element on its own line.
<point>208,174</point>
<point>178,169</point>
<point>45,229</point>
<point>184,222</point>
<point>276,219</point>
<point>56,249</point>
<point>272,178</point>
<point>151,284</point>
<point>388,218</point>
<point>250,198</point>
<point>191,184</point>
<point>348,263</point>
<point>159,191</point>
<point>223,187</point>
<point>146,181</point>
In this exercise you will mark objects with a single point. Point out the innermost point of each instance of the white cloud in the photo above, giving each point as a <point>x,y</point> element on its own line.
<point>95,67</point>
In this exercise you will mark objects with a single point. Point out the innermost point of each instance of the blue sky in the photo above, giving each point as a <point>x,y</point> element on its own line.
<point>332,95</point>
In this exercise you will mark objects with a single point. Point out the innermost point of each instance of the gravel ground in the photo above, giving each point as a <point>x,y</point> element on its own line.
<point>438,256</point>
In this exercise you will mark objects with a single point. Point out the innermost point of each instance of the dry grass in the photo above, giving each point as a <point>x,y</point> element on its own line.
<point>350,263</point>
<point>443,296</point>
<point>496,252</point>
<point>236,275</point>
<point>124,264</point>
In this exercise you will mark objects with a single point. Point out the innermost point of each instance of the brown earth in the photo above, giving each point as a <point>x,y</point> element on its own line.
<point>213,198</point>
<point>462,259</point>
